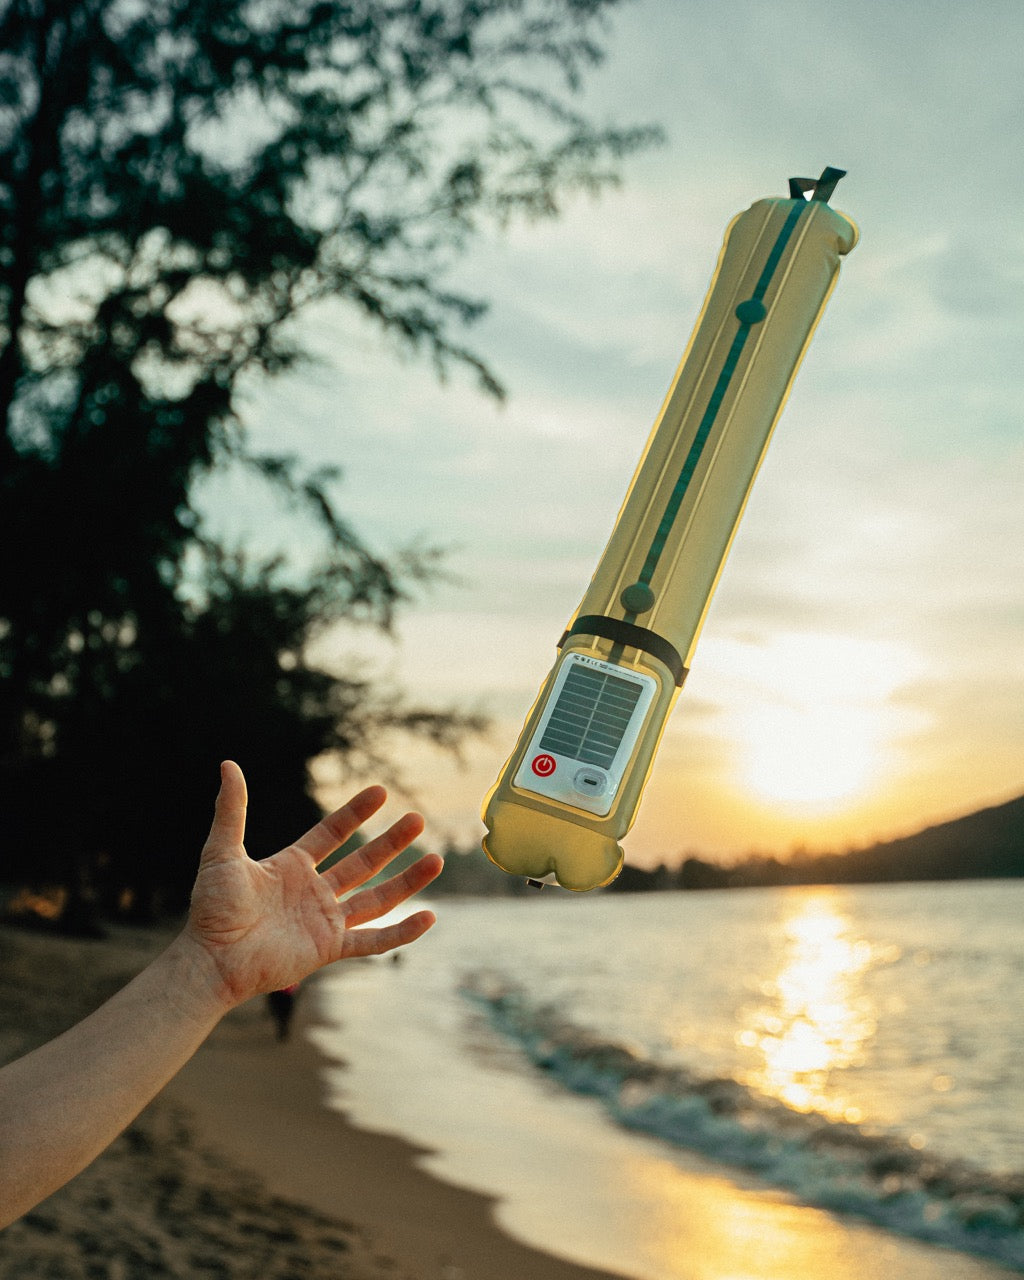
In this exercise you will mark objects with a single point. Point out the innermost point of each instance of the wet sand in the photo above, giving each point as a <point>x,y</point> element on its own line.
<point>261,1103</point>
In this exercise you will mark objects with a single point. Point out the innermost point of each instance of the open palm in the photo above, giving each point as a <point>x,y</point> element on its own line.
<point>268,924</point>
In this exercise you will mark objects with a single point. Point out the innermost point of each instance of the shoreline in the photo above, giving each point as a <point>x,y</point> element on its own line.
<point>307,1152</point>
<point>241,1168</point>
<point>715,1223</point>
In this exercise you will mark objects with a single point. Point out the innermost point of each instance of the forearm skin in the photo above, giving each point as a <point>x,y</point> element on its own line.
<point>62,1104</point>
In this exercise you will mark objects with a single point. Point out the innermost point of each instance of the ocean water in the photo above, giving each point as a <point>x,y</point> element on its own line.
<point>858,1048</point>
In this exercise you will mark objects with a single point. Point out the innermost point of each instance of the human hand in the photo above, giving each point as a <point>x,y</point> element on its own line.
<point>265,925</point>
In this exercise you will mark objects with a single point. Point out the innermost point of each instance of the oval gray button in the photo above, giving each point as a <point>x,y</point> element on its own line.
<point>590,781</point>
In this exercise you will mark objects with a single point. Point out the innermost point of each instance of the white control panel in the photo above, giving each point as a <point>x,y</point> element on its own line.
<point>586,733</point>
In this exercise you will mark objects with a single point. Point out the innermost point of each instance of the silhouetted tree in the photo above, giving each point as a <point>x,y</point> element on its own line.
<point>179,181</point>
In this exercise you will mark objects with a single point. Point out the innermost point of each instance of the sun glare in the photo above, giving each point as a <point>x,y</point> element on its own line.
<point>809,755</point>
<point>812,715</point>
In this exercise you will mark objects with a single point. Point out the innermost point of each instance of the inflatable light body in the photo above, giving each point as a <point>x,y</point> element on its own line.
<point>570,790</point>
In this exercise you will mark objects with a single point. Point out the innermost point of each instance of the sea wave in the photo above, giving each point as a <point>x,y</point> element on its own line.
<point>828,1163</point>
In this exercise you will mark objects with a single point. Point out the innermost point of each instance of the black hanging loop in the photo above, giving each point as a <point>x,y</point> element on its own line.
<point>821,188</point>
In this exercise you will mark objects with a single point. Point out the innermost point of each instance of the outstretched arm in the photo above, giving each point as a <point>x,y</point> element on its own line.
<point>253,927</point>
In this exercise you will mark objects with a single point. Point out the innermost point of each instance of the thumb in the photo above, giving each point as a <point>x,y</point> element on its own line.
<point>228,829</point>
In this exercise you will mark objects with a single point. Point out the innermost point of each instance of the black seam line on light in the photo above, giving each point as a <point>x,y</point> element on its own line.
<point>678,493</point>
<point>590,722</point>
<point>626,633</point>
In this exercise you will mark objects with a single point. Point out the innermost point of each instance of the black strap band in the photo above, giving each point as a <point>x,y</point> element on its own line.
<point>627,633</point>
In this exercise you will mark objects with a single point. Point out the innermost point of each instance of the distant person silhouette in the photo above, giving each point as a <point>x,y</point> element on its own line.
<point>282,1008</point>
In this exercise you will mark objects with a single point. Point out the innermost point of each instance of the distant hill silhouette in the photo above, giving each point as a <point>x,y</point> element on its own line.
<point>989,842</point>
<point>985,844</point>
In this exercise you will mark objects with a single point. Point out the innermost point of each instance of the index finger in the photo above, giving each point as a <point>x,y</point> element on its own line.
<point>336,827</point>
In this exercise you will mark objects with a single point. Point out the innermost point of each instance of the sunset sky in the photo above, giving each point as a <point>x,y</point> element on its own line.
<point>860,673</point>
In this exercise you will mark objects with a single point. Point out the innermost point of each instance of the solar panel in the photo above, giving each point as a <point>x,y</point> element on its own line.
<point>591,716</point>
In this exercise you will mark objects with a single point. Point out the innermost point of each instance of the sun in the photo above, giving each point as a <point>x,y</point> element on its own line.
<point>811,716</point>
<point>810,755</point>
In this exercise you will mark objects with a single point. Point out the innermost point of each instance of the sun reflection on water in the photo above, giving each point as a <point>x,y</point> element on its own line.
<point>815,1019</point>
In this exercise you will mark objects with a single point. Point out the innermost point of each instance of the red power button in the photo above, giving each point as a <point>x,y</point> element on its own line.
<point>544,766</point>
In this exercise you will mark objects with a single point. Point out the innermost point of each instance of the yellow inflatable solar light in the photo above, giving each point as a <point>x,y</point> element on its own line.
<point>571,788</point>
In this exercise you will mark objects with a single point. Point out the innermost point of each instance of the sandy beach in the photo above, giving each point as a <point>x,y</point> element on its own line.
<point>236,1170</point>
<point>157,1204</point>
<point>240,1170</point>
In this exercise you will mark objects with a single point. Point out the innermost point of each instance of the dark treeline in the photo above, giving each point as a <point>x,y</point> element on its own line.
<point>180,185</point>
<point>986,844</point>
